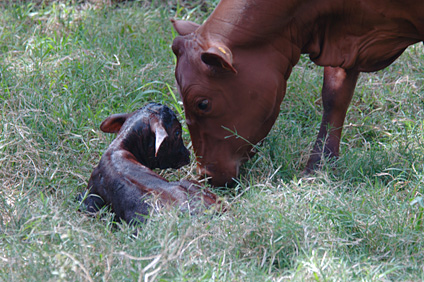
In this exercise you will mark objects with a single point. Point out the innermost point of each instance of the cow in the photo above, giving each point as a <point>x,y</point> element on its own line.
<point>147,138</point>
<point>232,70</point>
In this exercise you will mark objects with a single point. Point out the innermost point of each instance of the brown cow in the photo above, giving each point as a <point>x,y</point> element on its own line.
<point>232,70</point>
<point>147,138</point>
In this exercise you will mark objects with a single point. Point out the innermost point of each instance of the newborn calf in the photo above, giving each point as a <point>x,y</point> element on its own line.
<point>147,138</point>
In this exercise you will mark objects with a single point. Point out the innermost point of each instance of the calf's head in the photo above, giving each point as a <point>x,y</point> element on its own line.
<point>222,88</point>
<point>152,134</point>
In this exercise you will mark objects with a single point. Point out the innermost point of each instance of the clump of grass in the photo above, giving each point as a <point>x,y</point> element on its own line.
<point>66,66</point>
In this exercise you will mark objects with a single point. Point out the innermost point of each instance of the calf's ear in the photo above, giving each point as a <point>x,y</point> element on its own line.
<point>113,123</point>
<point>160,134</point>
<point>220,57</point>
<point>184,27</point>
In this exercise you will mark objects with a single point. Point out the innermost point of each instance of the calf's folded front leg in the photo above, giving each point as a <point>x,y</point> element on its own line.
<point>337,91</point>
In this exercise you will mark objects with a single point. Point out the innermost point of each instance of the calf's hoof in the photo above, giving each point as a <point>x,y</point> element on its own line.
<point>200,199</point>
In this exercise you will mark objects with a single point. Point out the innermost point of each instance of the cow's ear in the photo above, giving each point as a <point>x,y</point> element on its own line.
<point>219,56</point>
<point>113,123</point>
<point>184,27</point>
<point>160,134</point>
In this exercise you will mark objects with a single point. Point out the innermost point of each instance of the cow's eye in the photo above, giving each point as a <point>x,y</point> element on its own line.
<point>177,133</point>
<point>203,105</point>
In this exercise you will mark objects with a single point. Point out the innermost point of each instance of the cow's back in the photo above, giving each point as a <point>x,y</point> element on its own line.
<point>364,34</point>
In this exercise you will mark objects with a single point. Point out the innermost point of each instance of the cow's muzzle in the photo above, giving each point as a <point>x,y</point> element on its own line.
<point>219,175</point>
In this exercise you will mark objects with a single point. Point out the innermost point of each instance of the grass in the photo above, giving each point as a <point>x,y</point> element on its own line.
<point>65,67</point>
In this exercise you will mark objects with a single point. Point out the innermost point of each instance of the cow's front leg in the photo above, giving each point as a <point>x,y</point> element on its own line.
<point>339,85</point>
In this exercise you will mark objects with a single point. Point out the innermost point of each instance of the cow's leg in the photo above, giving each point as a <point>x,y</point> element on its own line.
<point>339,85</point>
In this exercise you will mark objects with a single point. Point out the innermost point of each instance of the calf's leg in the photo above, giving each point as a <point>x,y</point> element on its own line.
<point>92,203</point>
<point>337,91</point>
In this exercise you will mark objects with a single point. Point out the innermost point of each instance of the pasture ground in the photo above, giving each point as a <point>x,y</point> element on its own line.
<point>65,67</point>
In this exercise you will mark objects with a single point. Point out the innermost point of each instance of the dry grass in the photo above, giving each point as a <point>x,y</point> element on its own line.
<point>67,66</point>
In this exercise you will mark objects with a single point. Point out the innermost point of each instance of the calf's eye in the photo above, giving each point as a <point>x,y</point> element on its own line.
<point>203,105</point>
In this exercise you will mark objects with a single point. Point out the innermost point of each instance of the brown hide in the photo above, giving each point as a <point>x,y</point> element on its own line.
<point>232,70</point>
<point>147,138</point>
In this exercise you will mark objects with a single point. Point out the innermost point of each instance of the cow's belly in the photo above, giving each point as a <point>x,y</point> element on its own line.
<point>370,52</point>
<point>380,51</point>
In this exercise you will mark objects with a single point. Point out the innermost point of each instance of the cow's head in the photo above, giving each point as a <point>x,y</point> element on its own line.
<point>231,98</point>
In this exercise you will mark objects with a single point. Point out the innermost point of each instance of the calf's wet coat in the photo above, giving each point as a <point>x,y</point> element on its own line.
<point>148,138</point>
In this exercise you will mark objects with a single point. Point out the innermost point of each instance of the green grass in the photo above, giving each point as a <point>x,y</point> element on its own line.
<point>65,67</point>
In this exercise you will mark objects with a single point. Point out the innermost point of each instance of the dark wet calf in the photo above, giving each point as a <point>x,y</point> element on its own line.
<point>147,138</point>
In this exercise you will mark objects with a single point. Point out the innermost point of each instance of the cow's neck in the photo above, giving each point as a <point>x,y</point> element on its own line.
<point>270,25</point>
<point>242,22</point>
